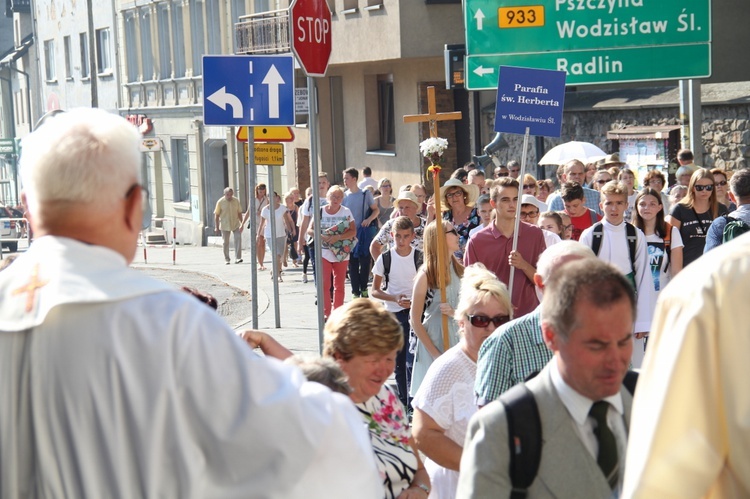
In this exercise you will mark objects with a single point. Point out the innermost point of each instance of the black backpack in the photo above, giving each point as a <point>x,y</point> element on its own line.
<point>525,433</point>
<point>387,265</point>
<point>596,242</point>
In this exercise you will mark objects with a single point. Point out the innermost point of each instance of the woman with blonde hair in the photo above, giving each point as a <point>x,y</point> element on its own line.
<point>444,403</point>
<point>364,339</point>
<point>694,213</point>
<point>426,300</point>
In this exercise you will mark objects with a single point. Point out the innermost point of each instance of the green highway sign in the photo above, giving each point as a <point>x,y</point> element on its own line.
<point>7,146</point>
<point>587,67</point>
<point>529,26</point>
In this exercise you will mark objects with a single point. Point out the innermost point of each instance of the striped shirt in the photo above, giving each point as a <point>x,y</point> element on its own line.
<point>591,200</point>
<point>509,355</point>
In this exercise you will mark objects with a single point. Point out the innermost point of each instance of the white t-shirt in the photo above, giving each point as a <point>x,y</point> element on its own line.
<point>307,207</point>
<point>657,258</point>
<point>476,229</point>
<point>327,221</point>
<point>550,238</point>
<point>400,277</point>
<point>280,227</point>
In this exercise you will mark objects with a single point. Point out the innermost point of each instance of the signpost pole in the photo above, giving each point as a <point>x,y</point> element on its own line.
<point>274,256</point>
<point>250,166</point>
<point>313,126</point>
<point>518,210</point>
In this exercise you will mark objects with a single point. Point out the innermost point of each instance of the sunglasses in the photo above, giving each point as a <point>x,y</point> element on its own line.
<point>721,183</point>
<point>602,181</point>
<point>701,188</point>
<point>452,231</point>
<point>529,186</point>
<point>502,174</point>
<point>484,321</point>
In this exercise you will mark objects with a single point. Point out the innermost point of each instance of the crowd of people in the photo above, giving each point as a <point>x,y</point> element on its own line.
<point>512,362</point>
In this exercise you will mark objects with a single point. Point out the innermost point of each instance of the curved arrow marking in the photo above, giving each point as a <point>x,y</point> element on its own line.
<point>479,16</point>
<point>273,79</point>
<point>482,71</point>
<point>221,98</point>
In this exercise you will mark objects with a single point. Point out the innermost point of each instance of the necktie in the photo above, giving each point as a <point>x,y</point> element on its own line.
<point>607,457</point>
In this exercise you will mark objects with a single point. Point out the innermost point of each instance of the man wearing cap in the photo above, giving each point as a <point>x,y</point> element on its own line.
<point>407,205</point>
<point>530,209</point>
<point>493,247</point>
<point>575,171</point>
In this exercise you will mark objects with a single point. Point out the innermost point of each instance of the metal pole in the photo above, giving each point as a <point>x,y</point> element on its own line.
<point>274,256</point>
<point>696,118</point>
<point>249,165</point>
<point>684,116</point>
<point>518,210</point>
<point>313,127</point>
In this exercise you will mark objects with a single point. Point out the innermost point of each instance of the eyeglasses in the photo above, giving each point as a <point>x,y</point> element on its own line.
<point>529,214</point>
<point>452,231</point>
<point>602,181</point>
<point>454,194</point>
<point>145,204</point>
<point>701,188</point>
<point>484,321</point>
<point>529,186</point>
<point>721,183</point>
<point>385,185</point>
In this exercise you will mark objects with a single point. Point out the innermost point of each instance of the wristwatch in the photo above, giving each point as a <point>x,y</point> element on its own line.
<point>424,487</point>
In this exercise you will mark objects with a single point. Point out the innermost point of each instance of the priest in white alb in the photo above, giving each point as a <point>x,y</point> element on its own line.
<point>113,384</point>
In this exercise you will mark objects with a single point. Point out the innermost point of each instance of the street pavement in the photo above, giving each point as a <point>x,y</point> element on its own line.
<point>204,266</point>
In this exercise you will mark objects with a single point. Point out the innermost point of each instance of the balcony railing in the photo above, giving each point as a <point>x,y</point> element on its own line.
<point>264,33</point>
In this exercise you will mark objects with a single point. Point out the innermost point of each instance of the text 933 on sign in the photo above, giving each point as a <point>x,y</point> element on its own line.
<point>528,16</point>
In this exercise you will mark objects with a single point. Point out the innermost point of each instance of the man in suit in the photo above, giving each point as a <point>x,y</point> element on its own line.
<point>588,312</point>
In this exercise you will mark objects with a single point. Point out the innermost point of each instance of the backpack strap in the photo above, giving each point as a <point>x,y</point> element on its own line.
<point>632,240</point>
<point>386,269</point>
<point>594,217</point>
<point>418,258</point>
<point>598,234</point>
<point>668,243</point>
<point>524,438</point>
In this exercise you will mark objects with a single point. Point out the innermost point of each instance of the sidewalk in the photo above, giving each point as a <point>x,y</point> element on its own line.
<point>299,331</point>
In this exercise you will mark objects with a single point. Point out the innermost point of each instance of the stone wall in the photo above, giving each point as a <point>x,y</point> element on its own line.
<point>725,132</point>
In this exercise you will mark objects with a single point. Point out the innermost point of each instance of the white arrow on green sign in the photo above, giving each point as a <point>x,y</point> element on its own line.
<point>529,26</point>
<point>585,67</point>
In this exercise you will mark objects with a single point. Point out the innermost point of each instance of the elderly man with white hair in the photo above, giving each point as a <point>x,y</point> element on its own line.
<point>116,384</point>
<point>516,349</point>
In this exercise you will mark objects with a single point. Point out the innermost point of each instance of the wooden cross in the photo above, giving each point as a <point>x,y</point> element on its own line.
<point>432,117</point>
<point>30,288</point>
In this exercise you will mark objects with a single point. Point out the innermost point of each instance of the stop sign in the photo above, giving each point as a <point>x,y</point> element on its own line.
<point>311,35</point>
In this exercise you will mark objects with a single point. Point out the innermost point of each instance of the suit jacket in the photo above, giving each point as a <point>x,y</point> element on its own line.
<point>567,469</point>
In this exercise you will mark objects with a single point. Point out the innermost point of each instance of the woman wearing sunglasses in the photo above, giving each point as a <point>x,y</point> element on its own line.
<point>426,310</point>
<point>445,400</point>
<point>722,189</point>
<point>694,213</point>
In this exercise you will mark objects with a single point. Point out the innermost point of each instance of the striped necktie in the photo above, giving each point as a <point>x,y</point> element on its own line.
<point>607,457</point>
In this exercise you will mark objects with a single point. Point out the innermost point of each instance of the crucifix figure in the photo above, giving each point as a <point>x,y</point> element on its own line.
<point>30,288</point>
<point>432,117</point>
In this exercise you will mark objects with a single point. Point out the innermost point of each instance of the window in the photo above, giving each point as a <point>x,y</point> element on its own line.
<point>83,39</point>
<point>147,54</point>
<point>180,171</point>
<point>68,58</point>
<point>238,10</point>
<point>178,40</point>
<point>165,48</point>
<point>131,45</point>
<point>103,51</point>
<point>49,60</point>
<point>213,27</point>
<point>386,119</point>
<point>197,38</point>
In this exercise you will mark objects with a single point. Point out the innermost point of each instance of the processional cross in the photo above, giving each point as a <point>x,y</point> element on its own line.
<point>30,288</point>
<point>432,117</point>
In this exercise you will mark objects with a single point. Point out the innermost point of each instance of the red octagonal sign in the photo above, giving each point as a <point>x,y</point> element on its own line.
<point>311,35</point>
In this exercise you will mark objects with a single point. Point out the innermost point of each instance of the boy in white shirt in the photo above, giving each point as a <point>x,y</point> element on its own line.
<point>624,246</point>
<point>392,282</point>
<point>484,208</point>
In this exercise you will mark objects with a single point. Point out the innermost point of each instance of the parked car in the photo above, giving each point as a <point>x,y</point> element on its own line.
<point>9,229</point>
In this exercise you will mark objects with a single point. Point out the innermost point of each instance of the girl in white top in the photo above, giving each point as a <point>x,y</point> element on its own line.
<point>283,223</point>
<point>444,402</point>
<point>665,259</point>
<point>627,177</point>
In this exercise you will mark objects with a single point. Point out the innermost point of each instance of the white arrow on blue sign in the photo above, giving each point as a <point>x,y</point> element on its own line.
<point>249,90</point>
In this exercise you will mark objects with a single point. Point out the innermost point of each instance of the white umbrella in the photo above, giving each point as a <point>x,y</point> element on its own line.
<point>582,151</point>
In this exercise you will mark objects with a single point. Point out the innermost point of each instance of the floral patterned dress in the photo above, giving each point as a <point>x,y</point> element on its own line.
<point>388,425</point>
<point>464,229</point>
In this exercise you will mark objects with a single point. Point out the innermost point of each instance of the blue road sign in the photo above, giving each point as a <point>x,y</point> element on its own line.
<point>248,90</point>
<point>530,98</point>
